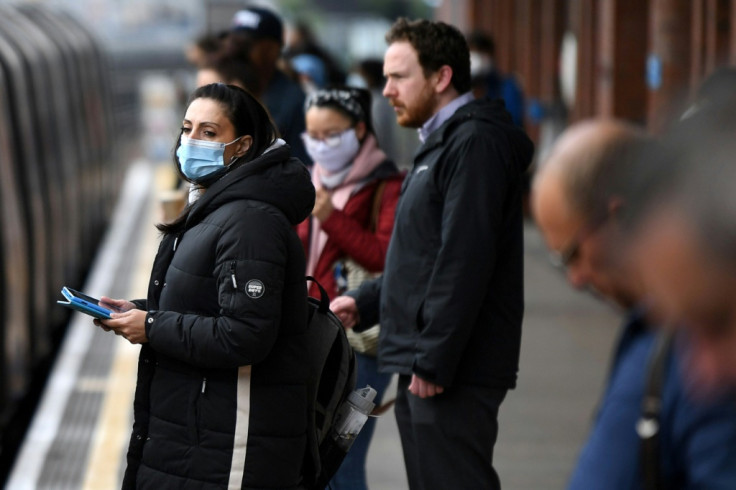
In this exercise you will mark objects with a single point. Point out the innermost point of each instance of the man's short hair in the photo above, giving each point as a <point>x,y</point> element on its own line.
<point>437,44</point>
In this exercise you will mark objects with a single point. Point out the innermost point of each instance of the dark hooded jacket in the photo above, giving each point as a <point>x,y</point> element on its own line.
<point>221,396</point>
<point>451,298</point>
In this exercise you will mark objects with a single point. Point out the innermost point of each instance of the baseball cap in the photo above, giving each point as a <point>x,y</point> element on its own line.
<point>312,66</point>
<point>259,22</point>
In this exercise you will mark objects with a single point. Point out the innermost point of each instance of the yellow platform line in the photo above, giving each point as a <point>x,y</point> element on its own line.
<point>107,453</point>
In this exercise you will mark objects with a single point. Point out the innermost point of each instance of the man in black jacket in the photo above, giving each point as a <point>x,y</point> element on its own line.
<point>450,301</point>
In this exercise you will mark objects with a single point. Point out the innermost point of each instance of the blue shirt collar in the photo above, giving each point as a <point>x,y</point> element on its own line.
<point>443,115</point>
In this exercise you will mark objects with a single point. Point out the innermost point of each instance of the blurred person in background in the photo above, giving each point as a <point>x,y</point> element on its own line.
<point>450,300</point>
<point>230,71</point>
<point>203,49</point>
<point>310,70</point>
<point>488,81</point>
<point>346,238</point>
<point>257,34</point>
<point>301,40</point>
<point>220,396</point>
<point>717,90</point>
<point>397,141</point>
<point>578,201</point>
<point>685,234</point>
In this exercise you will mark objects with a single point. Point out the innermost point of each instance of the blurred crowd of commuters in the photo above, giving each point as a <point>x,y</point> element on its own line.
<point>646,223</point>
<point>271,58</point>
<point>359,131</point>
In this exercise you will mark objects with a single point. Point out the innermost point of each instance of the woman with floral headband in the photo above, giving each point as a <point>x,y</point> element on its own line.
<point>346,238</point>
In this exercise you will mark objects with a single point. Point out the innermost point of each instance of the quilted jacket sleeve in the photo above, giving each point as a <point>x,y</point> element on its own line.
<point>242,327</point>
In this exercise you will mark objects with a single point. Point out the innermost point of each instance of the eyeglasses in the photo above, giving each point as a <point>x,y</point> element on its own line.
<point>571,252</point>
<point>331,140</point>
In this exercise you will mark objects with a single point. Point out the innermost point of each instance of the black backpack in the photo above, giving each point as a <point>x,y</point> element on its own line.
<point>332,379</point>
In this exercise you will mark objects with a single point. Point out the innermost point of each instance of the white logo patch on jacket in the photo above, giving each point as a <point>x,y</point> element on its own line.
<point>255,289</point>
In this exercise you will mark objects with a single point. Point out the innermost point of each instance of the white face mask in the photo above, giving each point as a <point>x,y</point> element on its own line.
<point>333,153</point>
<point>480,63</point>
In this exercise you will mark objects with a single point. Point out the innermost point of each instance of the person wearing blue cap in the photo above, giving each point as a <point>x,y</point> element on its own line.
<point>257,34</point>
<point>311,71</point>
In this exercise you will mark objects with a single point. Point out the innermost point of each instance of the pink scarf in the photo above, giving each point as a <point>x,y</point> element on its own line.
<point>366,161</point>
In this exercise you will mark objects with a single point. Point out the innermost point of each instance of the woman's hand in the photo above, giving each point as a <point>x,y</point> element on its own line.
<point>322,205</point>
<point>131,325</point>
<point>118,305</point>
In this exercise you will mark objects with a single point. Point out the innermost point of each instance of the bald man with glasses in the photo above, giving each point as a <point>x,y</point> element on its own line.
<point>577,200</point>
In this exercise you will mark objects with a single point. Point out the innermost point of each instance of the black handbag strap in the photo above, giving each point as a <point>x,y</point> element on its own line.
<point>648,426</point>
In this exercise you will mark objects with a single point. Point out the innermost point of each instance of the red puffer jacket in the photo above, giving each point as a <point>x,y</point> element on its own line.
<point>350,232</point>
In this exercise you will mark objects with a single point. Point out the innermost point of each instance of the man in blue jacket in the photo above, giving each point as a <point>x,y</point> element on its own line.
<point>578,205</point>
<point>683,224</point>
<point>450,300</point>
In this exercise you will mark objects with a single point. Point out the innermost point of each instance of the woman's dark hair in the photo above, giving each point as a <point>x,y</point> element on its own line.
<point>247,115</point>
<point>245,112</point>
<point>353,102</point>
<point>437,44</point>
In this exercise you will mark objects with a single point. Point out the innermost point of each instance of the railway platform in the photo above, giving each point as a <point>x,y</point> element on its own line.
<point>80,431</point>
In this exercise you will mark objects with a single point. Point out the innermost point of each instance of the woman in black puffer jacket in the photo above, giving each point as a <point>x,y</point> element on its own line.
<point>221,400</point>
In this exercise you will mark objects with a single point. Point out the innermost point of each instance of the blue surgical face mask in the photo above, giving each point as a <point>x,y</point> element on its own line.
<point>199,158</point>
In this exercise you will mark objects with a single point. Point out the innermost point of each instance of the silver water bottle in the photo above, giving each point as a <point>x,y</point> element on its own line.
<point>352,415</point>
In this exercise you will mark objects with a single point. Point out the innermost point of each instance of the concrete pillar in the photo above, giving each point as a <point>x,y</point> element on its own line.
<point>668,63</point>
<point>697,46</point>
<point>583,23</point>
<point>551,28</point>
<point>732,33</point>
<point>711,38</point>
<point>528,52</point>
<point>621,78</point>
<point>503,33</point>
<point>719,31</point>
<point>455,13</point>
